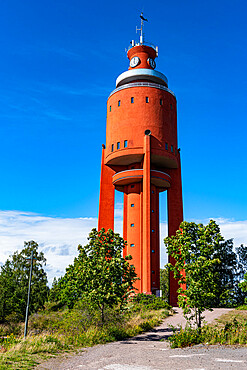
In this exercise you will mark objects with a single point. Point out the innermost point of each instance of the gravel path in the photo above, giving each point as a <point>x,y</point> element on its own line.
<point>151,351</point>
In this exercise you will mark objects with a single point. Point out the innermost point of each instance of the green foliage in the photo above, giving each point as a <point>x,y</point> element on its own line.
<point>185,337</point>
<point>66,329</point>
<point>233,332</point>
<point>14,276</point>
<point>148,302</point>
<point>242,307</point>
<point>193,248</point>
<point>164,282</point>
<point>99,274</point>
<point>213,270</point>
<point>243,285</point>
<point>229,273</point>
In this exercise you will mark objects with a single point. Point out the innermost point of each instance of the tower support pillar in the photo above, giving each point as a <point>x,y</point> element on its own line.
<point>175,217</point>
<point>146,217</point>
<point>106,199</point>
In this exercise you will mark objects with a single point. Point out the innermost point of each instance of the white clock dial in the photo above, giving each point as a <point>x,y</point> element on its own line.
<point>152,63</point>
<point>134,62</point>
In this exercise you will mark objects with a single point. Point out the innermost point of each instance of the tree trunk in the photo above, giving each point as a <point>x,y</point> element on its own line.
<point>102,314</point>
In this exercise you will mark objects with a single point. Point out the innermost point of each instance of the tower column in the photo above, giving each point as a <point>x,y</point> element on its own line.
<point>146,217</point>
<point>175,217</point>
<point>106,198</point>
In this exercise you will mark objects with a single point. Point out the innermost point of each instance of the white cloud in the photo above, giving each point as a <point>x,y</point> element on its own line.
<point>58,238</point>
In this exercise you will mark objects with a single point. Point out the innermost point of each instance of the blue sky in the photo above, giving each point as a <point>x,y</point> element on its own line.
<point>59,61</point>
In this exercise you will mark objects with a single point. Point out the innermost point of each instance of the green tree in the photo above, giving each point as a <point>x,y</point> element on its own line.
<point>226,274</point>
<point>243,284</point>
<point>193,248</point>
<point>14,275</point>
<point>164,282</point>
<point>99,274</point>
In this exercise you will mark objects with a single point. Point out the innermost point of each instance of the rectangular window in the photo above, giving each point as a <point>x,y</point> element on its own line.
<point>132,245</point>
<point>161,102</point>
<point>152,191</point>
<point>147,99</point>
<point>110,108</point>
<point>125,143</point>
<point>152,250</point>
<point>132,205</point>
<point>152,211</point>
<point>132,100</point>
<point>166,146</point>
<point>119,103</point>
<point>132,186</point>
<point>112,147</point>
<point>152,271</point>
<point>118,145</point>
<point>152,230</point>
<point>175,151</point>
<point>172,148</point>
<point>132,225</point>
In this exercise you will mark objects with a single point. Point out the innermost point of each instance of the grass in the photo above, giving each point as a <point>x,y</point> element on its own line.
<point>52,333</point>
<point>230,328</point>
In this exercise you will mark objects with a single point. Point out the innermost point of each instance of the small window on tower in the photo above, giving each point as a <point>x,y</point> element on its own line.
<point>147,99</point>
<point>166,146</point>
<point>125,143</point>
<point>152,271</point>
<point>161,101</point>
<point>132,245</point>
<point>132,225</point>
<point>152,230</point>
<point>132,186</point>
<point>132,100</point>
<point>118,145</point>
<point>110,108</point>
<point>152,250</point>
<point>152,191</point>
<point>119,103</point>
<point>112,147</point>
<point>176,151</point>
<point>171,106</point>
<point>132,205</point>
<point>172,148</point>
<point>152,211</point>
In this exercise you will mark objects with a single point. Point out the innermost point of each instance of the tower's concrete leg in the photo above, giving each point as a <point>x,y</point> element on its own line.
<point>106,199</point>
<point>175,217</point>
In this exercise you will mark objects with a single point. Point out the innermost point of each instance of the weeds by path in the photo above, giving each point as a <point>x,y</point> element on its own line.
<point>231,328</point>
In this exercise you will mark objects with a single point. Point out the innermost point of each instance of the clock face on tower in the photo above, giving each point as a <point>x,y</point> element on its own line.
<point>134,62</point>
<point>152,63</point>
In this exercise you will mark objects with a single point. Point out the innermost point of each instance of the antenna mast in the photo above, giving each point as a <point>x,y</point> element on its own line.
<point>141,29</point>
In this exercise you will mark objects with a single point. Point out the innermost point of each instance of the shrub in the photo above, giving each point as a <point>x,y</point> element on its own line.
<point>148,302</point>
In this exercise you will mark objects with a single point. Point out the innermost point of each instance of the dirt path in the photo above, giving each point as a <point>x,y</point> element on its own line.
<point>151,351</point>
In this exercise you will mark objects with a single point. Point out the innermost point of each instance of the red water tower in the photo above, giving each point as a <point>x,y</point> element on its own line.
<point>141,159</point>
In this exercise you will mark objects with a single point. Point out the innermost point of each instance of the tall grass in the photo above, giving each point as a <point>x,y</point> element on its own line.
<point>52,332</point>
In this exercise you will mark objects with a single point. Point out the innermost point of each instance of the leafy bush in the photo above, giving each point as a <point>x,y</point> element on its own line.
<point>243,307</point>
<point>148,302</point>
<point>234,332</point>
<point>185,337</point>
